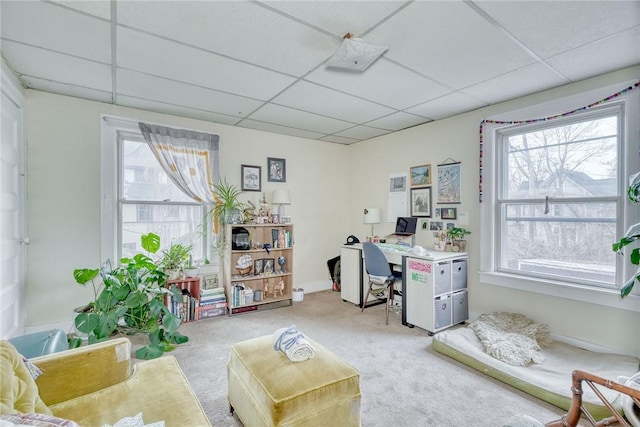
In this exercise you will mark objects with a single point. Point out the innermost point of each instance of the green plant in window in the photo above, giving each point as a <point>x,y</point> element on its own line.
<point>632,235</point>
<point>129,299</point>
<point>176,257</point>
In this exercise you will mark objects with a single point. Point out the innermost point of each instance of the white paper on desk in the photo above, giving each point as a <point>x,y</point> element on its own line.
<point>397,204</point>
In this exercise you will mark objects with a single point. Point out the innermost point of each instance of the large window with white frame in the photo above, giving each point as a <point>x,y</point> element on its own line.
<point>555,202</point>
<point>138,197</point>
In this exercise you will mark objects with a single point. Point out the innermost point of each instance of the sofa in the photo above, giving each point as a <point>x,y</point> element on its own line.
<point>97,385</point>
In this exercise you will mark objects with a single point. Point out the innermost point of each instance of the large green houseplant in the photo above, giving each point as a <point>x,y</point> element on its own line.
<point>129,299</point>
<point>632,235</point>
<point>227,208</point>
<point>174,259</point>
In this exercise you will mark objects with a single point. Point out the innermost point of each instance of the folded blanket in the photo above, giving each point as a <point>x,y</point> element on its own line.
<point>293,344</point>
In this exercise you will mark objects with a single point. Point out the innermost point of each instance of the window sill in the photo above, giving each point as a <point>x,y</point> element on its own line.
<point>605,297</point>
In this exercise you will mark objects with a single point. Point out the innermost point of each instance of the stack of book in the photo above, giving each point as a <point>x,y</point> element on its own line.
<point>185,308</point>
<point>213,302</point>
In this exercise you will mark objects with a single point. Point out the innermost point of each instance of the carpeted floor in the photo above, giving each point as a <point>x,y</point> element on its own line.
<point>403,382</point>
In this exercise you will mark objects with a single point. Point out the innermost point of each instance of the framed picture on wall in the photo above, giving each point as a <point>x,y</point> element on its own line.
<point>251,176</point>
<point>449,213</point>
<point>421,201</point>
<point>276,169</point>
<point>420,175</point>
<point>449,183</point>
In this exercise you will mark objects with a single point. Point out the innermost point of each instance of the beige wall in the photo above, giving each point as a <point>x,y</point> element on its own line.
<point>63,195</point>
<point>330,185</point>
<point>457,138</point>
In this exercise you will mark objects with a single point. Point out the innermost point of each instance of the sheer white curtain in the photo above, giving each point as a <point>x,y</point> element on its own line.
<point>190,159</point>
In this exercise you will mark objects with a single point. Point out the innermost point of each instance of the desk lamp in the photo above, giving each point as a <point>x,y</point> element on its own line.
<point>371,216</point>
<point>281,198</point>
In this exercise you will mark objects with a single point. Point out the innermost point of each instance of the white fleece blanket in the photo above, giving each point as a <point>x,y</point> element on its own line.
<point>293,344</point>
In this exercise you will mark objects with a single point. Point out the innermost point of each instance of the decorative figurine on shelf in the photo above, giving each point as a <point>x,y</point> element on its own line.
<point>250,213</point>
<point>265,289</point>
<point>278,288</point>
<point>281,262</point>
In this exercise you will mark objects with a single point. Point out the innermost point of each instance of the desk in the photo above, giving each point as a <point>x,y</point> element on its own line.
<point>434,294</point>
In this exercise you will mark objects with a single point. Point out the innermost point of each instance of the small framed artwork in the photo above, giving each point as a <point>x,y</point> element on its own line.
<point>285,220</point>
<point>258,265</point>
<point>421,201</point>
<point>251,176</point>
<point>420,175</point>
<point>277,169</point>
<point>449,213</point>
<point>449,183</point>
<point>267,267</point>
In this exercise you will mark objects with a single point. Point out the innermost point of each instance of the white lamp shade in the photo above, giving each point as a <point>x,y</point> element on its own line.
<point>372,216</point>
<point>281,197</point>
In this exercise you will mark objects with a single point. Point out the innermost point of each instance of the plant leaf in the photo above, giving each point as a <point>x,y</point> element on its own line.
<point>87,322</point>
<point>149,352</point>
<point>151,242</point>
<point>171,323</point>
<point>85,275</point>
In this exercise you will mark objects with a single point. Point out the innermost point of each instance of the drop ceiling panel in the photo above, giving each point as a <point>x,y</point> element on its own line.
<point>362,132</point>
<point>449,42</point>
<point>101,9</point>
<point>139,51</point>
<point>237,29</point>
<point>59,68</point>
<point>57,28</point>
<point>338,139</point>
<point>612,53</point>
<point>299,119</point>
<point>338,17</point>
<point>153,88</point>
<point>384,82</point>
<point>175,110</point>
<point>327,102</point>
<point>589,21</point>
<point>398,121</point>
<point>448,105</point>
<point>270,127</point>
<point>521,82</point>
<point>67,89</point>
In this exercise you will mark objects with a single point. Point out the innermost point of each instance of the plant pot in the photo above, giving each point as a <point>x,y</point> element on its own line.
<point>191,272</point>
<point>173,274</point>
<point>460,244</point>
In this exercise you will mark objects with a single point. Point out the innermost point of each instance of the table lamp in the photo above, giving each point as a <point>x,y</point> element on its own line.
<point>281,198</point>
<point>371,216</point>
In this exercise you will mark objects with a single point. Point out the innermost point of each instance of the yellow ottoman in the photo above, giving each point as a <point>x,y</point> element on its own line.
<point>265,388</point>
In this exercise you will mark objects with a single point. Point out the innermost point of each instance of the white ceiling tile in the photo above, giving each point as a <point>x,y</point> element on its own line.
<point>448,105</point>
<point>338,139</point>
<point>238,29</point>
<point>159,107</point>
<point>518,83</point>
<point>327,102</point>
<point>67,89</point>
<point>139,51</point>
<point>153,88</point>
<point>449,42</point>
<point>620,51</point>
<point>60,68</point>
<point>299,119</point>
<point>338,17</point>
<point>383,82</point>
<point>269,127</point>
<point>567,24</point>
<point>398,121</point>
<point>99,8</point>
<point>362,132</point>
<point>54,27</point>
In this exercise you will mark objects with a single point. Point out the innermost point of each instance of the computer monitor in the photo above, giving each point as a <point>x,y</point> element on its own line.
<point>406,225</point>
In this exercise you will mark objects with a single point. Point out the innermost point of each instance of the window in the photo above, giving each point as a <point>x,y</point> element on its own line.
<point>150,202</point>
<point>555,201</point>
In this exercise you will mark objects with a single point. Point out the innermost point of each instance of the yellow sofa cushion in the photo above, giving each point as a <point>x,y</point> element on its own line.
<point>18,390</point>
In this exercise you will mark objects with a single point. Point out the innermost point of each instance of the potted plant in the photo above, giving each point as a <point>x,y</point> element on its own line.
<point>632,235</point>
<point>129,299</point>
<point>456,237</point>
<point>191,270</point>
<point>175,259</point>
<point>227,208</point>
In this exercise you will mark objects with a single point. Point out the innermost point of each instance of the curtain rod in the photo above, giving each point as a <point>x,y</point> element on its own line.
<point>133,124</point>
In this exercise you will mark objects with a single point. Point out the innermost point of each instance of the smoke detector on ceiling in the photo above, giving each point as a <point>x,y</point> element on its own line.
<point>354,54</point>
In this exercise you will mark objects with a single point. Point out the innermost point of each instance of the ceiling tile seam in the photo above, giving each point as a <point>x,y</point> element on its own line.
<point>196,85</point>
<point>176,105</point>
<point>295,19</point>
<point>324,134</point>
<point>222,55</point>
<point>46,49</point>
<point>13,70</point>
<point>353,127</point>
<point>70,9</point>
<point>60,83</point>
<point>386,18</point>
<point>114,52</point>
<point>513,38</point>
<point>248,117</point>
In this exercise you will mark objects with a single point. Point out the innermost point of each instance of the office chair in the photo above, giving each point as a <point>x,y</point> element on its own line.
<point>381,278</point>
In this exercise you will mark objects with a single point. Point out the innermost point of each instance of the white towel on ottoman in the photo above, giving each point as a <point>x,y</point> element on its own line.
<point>293,344</point>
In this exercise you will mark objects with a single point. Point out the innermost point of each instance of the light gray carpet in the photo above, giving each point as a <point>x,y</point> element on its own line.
<point>403,381</point>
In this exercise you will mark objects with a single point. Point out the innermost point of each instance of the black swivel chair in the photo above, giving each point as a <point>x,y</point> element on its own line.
<point>381,277</point>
